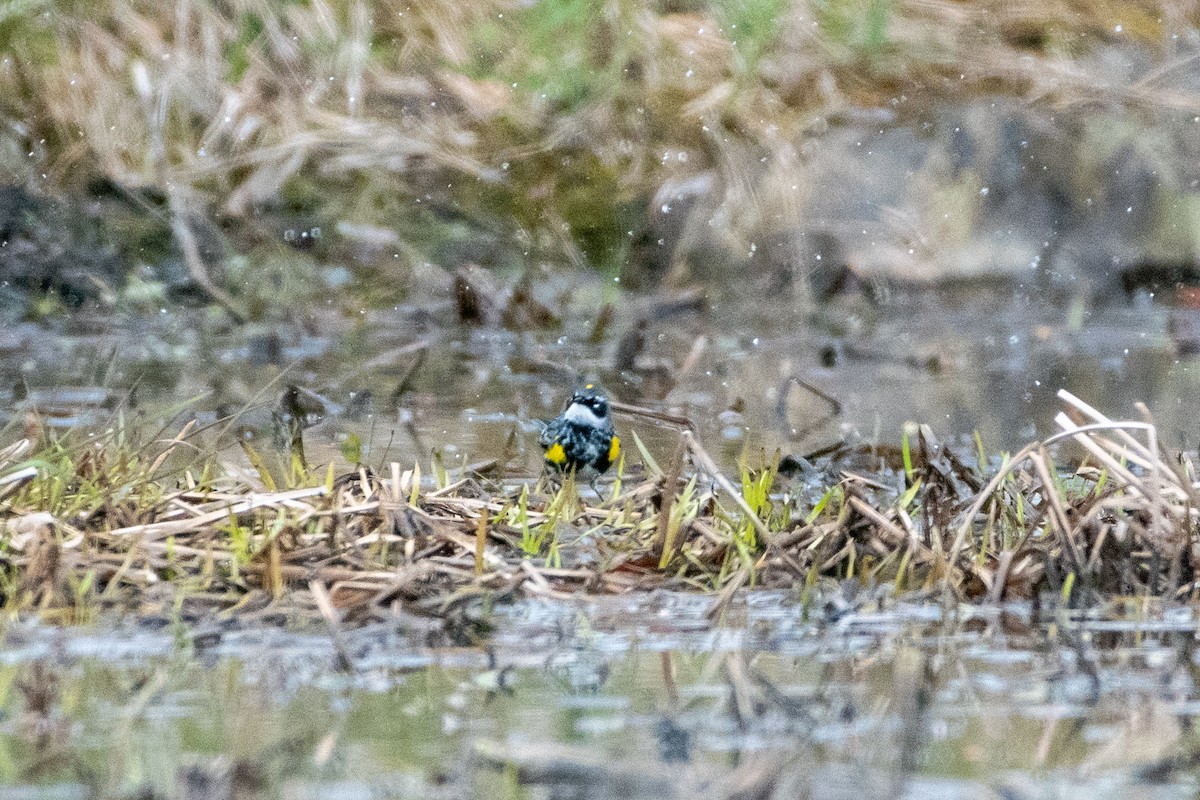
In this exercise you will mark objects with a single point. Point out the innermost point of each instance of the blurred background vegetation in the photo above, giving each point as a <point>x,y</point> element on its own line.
<point>647,141</point>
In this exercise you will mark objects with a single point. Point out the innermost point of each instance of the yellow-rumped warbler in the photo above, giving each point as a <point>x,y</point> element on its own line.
<point>582,439</point>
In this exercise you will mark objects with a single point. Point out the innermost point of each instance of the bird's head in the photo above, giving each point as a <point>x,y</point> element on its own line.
<point>588,407</point>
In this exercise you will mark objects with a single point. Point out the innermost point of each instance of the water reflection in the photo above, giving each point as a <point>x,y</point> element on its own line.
<point>406,381</point>
<point>633,697</point>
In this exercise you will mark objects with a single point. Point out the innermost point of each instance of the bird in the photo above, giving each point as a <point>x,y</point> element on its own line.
<point>582,439</point>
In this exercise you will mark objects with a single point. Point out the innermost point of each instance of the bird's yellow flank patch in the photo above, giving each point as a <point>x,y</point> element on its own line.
<point>614,449</point>
<point>556,454</point>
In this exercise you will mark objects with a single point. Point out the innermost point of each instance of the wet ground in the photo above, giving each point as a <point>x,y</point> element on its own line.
<point>1085,174</point>
<point>641,696</point>
<point>637,697</point>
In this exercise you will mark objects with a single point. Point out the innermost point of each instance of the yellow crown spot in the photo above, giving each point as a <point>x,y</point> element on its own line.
<point>614,449</point>
<point>590,386</point>
<point>556,454</point>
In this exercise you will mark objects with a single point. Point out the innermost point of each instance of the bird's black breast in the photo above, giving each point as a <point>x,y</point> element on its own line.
<point>570,446</point>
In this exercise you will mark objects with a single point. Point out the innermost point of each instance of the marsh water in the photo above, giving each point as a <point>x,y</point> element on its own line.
<point>839,226</point>
<point>753,377</point>
<point>850,694</point>
<point>855,695</point>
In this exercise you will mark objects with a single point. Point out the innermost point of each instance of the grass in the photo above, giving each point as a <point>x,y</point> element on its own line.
<point>101,524</point>
<point>543,128</point>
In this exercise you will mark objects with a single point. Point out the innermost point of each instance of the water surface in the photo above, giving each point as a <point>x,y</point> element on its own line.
<point>638,696</point>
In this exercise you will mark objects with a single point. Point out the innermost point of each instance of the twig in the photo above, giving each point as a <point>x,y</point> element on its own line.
<point>195,264</point>
<point>1000,577</point>
<point>723,600</point>
<point>334,621</point>
<point>10,483</point>
<point>1150,453</point>
<point>165,454</point>
<point>1058,515</point>
<point>161,530</point>
<point>650,413</point>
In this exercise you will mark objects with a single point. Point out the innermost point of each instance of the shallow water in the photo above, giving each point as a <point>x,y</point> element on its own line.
<point>981,359</point>
<point>636,697</point>
<point>627,696</point>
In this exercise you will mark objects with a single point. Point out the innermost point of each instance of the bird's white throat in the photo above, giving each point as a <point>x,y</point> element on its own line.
<point>582,415</point>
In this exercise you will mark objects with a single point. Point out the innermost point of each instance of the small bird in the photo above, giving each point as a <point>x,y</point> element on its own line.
<point>582,439</point>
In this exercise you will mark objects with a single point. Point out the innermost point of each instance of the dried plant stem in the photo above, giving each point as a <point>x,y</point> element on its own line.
<point>195,264</point>
<point>705,462</point>
<point>670,486</point>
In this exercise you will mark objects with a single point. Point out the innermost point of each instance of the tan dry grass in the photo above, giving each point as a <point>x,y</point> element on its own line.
<point>1121,523</point>
<point>238,100</point>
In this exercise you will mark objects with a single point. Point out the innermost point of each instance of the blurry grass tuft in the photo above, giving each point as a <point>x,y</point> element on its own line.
<point>751,26</point>
<point>855,29</point>
<point>447,124</point>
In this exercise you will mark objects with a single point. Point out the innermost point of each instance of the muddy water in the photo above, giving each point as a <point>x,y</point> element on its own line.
<point>984,359</point>
<point>638,697</point>
<point>626,697</point>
